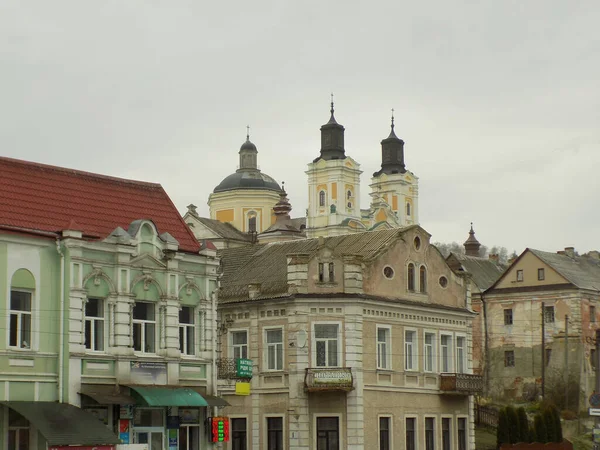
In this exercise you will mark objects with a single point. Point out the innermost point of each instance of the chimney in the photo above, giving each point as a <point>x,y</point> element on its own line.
<point>253,290</point>
<point>493,257</point>
<point>570,252</point>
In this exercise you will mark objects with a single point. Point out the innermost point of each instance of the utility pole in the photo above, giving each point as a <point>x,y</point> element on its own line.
<point>566,362</point>
<point>543,352</point>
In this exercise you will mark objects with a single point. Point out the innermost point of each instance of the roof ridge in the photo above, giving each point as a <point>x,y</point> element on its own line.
<point>70,171</point>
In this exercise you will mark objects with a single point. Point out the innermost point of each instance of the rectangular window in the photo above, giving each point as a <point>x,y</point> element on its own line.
<point>20,319</point>
<point>239,344</point>
<point>144,327</point>
<point>326,345</point>
<point>592,314</point>
<point>410,341</point>
<point>462,433</point>
<point>94,324</point>
<point>508,316</point>
<point>549,314</point>
<point>186,330</point>
<point>548,355</point>
<point>18,431</point>
<point>411,435</point>
<point>328,433</point>
<point>446,434</point>
<point>331,272</point>
<point>384,433</point>
<point>593,358</point>
<point>274,338</point>
<point>509,358</point>
<point>383,348</point>
<point>519,275</point>
<point>461,354</point>
<point>429,433</point>
<point>541,274</point>
<point>274,433</point>
<point>446,353</point>
<point>238,434</point>
<point>321,272</point>
<point>429,352</point>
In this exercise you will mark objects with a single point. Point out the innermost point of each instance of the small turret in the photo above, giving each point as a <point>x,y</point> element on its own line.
<point>472,245</point>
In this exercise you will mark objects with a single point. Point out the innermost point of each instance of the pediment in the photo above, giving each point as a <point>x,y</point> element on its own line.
<point>147,260</point>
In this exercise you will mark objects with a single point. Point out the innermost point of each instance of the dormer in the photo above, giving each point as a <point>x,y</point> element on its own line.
<point>150,242</point>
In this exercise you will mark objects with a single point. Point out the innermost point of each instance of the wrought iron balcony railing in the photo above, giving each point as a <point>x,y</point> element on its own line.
<point>328,379</point>
<point>461,383</point>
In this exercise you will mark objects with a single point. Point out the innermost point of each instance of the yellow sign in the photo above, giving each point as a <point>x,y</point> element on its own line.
<point>242,388</point>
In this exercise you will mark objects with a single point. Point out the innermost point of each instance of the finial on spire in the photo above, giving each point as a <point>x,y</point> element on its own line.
<point>392,118</point>
<point>472,228</point>
<point>247,132</point>
<point>332,103</point>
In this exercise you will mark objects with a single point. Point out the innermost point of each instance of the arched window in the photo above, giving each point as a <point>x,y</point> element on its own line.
<point>21,309</point>
<point>322,198</point>
<point>411,277</point>
<point>349,194</point>
<point>408,209</point>
<point>422,279</point>
<point>252,223</point>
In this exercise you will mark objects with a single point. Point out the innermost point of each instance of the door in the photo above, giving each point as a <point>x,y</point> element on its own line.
<point>328,433</point>
<point>189,437</point>
<point>154,439</point>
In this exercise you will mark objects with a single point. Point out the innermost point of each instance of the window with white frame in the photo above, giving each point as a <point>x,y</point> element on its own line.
<point>239,344</point>
<point>274,343</point>
<point>20,319</point>
<point>383,347</point>
<point>429,433</point>
<point>18,431</point>
<point>410,350</point>
<point>461,354</point>
<point>446,433</point>
<point>429,352</point>
<point>446,353</point>
<point>326,345</point>
<point>186,330</point>
<point>385,432</point>
<point>144,327</point>
<point>410,427</point>
<point>94,324</point>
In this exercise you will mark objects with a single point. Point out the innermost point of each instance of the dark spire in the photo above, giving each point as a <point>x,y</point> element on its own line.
<point>248,154</point>
<point>332,138</point>
<point>392,153</point>
<point>283,207</point>
<point>472,245</point>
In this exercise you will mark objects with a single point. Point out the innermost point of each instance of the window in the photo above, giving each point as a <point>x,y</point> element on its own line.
<point>509,358</point>
<point>461,354</point>
<point>238,434</point>
<point>411,277</point>
<point>239,344</point>
<point>408,209</point>
<point>321,272</point>
<point>592,314</point>
<point>443,281</point>
<point>429,433</point>
<point>411,435</point>
<point>446,353</point>
<point>331,273</point>
<point>94,324</point>
<point>462,433</point>
<point>274,338</point>
<point>519,275</point>
<point>326,345</point>
<point>274,433</point>
<point>508,316</point>
<point>593,358</point>
<point>20,319</point>
<point>144,326</point>
<point>429,352</point>
<point>384,433</point>
<point>541,275</point>
<point>446,434</point>
<point>186,330</point>
<point>548,355</point>
<point>410,354</point>
<point>549,314</point>
<point>349,195</point>
<point>388,272</point>
<point>18,431</point>
<point>383,348</point>
<point>322,198</point>
<point>252,224</point>
<point>417,243</point>
<point>328,433</point>
<point>422,279</point>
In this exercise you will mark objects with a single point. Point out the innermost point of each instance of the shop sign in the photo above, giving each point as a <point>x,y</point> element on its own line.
<point>189,416</point>
<point>83,447</point>
<point>148,372</point>
<point>332,377</point>
<point>126,412</point>
<point>124,431</point>
<point>244,368</point>
<point>242,388</point>
<point>219,429</point>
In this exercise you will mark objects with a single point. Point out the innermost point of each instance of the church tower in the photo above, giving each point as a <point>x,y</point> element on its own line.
<point>394,185</point>
<point>333,186</point>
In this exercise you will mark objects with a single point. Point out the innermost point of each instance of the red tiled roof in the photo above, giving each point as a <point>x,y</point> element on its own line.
<point>51,199</point>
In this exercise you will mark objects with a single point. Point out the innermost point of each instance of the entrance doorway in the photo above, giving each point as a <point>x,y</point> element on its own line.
<point>154,439</point>
<point>328,433</point>
<point>189,437</point>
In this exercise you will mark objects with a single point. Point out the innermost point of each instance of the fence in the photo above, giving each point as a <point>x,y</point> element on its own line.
<point>486,415</point>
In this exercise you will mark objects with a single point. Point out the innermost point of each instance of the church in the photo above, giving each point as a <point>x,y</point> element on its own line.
<point>256,207</point>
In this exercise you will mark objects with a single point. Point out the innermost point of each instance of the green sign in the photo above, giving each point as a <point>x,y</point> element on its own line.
<point>243,368</point>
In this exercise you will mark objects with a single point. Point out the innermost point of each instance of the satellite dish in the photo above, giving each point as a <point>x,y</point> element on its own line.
<point>301,339</point>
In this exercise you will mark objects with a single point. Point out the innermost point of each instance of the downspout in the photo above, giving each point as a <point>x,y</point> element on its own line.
<point>215,339</point>
<point>486,345</point>
<point>61,337</point>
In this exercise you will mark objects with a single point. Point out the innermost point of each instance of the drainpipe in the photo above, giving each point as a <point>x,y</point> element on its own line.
<point>486,345</point>
<point>61,322</point>
<point>214,348</point>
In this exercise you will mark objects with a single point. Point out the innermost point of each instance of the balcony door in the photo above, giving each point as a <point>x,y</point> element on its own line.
<point>328,433</point>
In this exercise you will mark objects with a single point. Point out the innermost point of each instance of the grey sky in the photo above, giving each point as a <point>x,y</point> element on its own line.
<point>498,101</point>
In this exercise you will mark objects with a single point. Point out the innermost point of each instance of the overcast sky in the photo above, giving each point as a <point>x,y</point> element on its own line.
<point>498,101</point>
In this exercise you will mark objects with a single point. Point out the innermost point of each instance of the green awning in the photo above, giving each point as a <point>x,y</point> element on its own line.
<point>64,424</point>
<point>167,396</point>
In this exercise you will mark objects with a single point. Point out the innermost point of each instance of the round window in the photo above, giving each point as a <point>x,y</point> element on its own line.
<point>388,272</point>
<point>443,281</point>
<point>417,243</point>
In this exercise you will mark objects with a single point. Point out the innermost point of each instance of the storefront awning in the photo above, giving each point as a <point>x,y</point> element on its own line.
<point>167,396</point>
<point>215,401</point>
<point>64,424</point>
<point>106,394</point>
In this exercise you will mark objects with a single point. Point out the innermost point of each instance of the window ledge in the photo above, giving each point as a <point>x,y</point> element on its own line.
<point>18,350</point>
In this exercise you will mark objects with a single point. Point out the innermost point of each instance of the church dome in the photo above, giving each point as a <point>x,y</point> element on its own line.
<point>248,146</point>
<point>252,179</point>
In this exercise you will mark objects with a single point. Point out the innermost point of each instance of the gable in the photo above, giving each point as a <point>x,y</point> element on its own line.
<point>529,263</point>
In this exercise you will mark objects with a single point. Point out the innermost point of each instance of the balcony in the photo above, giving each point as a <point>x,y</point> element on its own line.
<point>460,383</point>
<point>328,379</point>
<point>234,369</point>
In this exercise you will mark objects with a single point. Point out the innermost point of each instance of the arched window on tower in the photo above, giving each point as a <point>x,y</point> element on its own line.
<point>349,197</point>
<point>422,279</point>
<point>252,222</point>
<point>408,209</point>
<point>411,277</point>
<point>322,198</point>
